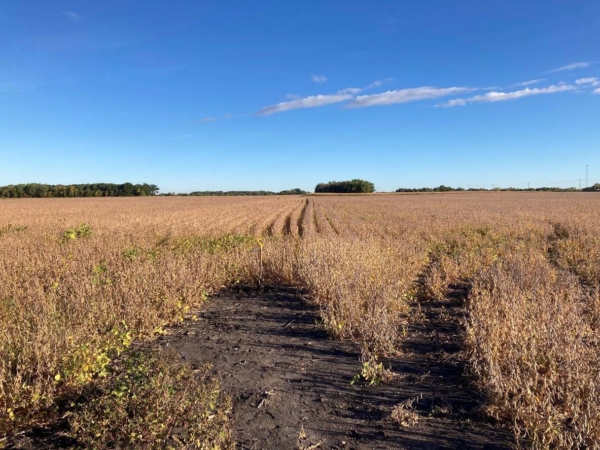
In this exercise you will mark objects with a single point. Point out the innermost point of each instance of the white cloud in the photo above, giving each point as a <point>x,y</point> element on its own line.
<point>352,91</point>
<point>355,90</point>
<point>405,95</point>
<point>214,118</point>
<point>573,66</point>
<point>307,102</point>
<point>596,91</point>
<point>319,78</point>
<point>501,96</point>
<point>378,83</point>
<point>73,16</point>
<point>591,80</point>
<point>527,83</point>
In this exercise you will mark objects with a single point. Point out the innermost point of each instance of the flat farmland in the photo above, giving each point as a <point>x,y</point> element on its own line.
<point>84,282</point>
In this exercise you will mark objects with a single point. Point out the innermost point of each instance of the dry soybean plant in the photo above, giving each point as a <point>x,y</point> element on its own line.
<point>84,278</point>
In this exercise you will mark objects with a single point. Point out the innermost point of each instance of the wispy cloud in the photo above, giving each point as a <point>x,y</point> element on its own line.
<point>573,66</point>
<point>502,96</point>
<point>312,101</point>
<point>596,91</point>
<point>214,118</point>
<point>591,80</point>
<point>73,16</point>
<point>319,78</point>
<point>379,83</point>
<point>405,96</point>
<point>355,90</point>
<point>527,83</point>
<point>352,91</point>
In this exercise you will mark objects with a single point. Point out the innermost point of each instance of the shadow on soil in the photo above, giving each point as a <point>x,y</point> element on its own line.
<point>290,382</point>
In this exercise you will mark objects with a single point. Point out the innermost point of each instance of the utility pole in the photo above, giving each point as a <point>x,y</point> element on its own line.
<point>580,184</point>
<point>586,175</point>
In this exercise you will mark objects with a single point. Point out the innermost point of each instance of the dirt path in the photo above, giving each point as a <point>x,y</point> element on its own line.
<point>288,379</point>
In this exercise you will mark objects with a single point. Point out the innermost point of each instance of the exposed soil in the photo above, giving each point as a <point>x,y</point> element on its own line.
<point>290,383</point>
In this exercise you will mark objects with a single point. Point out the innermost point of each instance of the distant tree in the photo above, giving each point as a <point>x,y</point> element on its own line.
<point>355,186</point>
<point>246,193</point>
<point>443,188</point>
<point>36,190</point>
<point>594,188</point>
<point>295,191</point>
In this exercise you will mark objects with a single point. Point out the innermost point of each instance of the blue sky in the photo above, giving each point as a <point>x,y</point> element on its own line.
<point>228,95</point>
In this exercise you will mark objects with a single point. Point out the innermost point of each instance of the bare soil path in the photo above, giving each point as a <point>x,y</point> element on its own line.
<point>290,383</point>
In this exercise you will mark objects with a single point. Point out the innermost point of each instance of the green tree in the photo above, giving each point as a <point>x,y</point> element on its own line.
<point>355,186</point>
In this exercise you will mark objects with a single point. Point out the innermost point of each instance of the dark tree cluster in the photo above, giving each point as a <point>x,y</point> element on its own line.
<point>594,188</point>
<point>245,193</point>
<point>346,187</point>
<point>36,190</point>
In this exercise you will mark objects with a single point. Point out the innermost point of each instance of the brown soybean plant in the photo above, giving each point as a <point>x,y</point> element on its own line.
<point>70,308</point>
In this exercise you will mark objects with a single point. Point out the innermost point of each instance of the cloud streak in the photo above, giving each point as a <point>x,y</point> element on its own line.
<point>527,83</point>
<point>319,78</point>
<point>572,66</point>
<point>405,96</point>
<point>312,101</point>
<point>355,90</point>
<point>495,96</point>
<point>214,118</point>
<point>352,91</point>
<point>350,96</point>
<point>378,83</point>
<point>593,81</point>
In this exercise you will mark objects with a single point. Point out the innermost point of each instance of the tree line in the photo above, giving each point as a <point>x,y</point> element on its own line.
<point>346,187</point>
<point>594,188</point>
<point>295,191</point>
<point>443,188</point>
<point>37,190</point>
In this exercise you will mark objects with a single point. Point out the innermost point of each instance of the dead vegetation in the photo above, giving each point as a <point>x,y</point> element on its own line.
<point>84,278</point>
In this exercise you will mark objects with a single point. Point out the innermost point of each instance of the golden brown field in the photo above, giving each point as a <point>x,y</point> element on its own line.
<point>81,279</point>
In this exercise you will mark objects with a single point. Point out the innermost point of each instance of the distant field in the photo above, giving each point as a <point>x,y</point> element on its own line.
<point>81,279</point>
